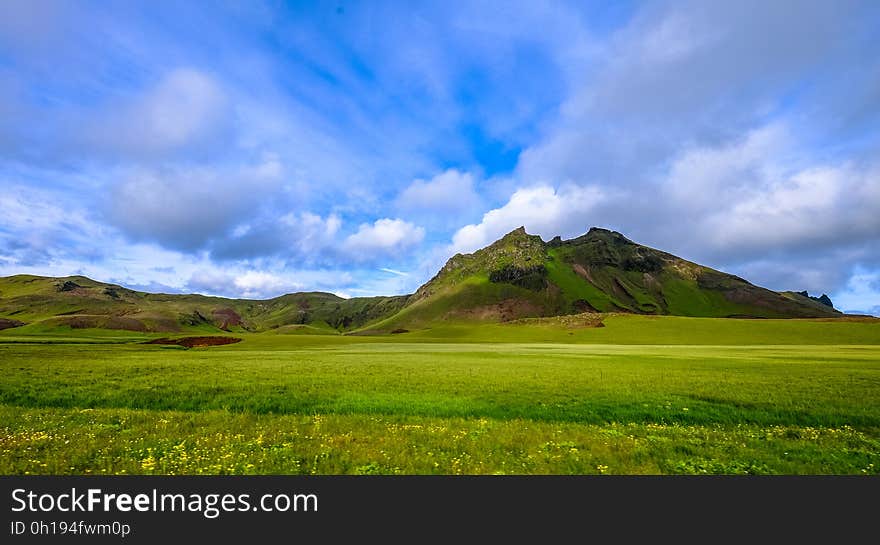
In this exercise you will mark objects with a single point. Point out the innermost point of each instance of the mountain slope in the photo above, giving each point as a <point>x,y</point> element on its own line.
<point>602,271</point>
<point>518,276</point>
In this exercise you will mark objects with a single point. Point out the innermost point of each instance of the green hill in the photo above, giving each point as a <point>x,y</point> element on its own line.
<point>521,276</point>
<point>40,304</point>
<point>518,276</point>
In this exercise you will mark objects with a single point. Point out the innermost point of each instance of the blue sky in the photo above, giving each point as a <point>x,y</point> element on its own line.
<point>251,149</point>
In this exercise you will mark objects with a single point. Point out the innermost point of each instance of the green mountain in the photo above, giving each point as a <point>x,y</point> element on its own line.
<point>518,276</point>
<point>522,276</point>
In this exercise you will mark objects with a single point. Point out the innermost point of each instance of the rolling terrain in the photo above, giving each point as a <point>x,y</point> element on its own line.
<point>35,304</point>
<point>519,276</point>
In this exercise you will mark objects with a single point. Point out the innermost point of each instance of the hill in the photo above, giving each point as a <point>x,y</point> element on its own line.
<point>35,303</point>
<point>519,276</point>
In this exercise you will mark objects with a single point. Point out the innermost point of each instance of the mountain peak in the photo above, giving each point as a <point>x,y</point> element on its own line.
<point>519,232</point>
<point>517,239</point>
<point>607,234</point>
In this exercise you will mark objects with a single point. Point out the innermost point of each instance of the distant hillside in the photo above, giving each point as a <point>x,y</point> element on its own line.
<point>518,276</point>
<point>77,302</point>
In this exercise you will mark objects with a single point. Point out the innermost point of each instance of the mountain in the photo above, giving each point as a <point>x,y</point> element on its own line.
<point>521,276</point>
<point>518,276</point>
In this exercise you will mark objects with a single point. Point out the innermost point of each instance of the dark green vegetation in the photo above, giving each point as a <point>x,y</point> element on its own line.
<point>644,394</point>
<point>519,276</point>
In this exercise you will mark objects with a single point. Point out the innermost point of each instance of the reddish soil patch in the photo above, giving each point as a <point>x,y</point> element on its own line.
<point>196,342</point>
<point>226,318</point>
<point>6,323</point>
<point>583,272</point>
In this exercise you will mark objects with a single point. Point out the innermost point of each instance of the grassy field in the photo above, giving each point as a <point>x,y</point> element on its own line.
<point>640,395</point>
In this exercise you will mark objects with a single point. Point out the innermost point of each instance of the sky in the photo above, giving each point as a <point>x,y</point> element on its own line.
<point>250,149</point>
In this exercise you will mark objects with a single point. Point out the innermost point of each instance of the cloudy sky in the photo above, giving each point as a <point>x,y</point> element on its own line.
<point>252,149</point>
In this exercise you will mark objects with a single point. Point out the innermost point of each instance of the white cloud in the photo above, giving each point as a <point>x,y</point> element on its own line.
<point>745,199</point>
<point>181,107</point>
<point>250,284</point>
<point>801,208</point>
<point>257,283</point>
<point>265,281</point>
<point>704,177</point>
<point>382,237</point>
<point>394,271</point>
<point>184,208</point>
<point>45,234</point>
<point>39,227</point>
<point>448,195</point>
<point>311,232</point>
<point>684,60</point>
<point>860,293</point>
<point>543,210</point>
<point>303,236</point>
<point>185,110</point>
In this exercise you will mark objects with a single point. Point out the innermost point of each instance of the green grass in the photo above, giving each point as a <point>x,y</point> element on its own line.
<point>641,395</point>
<point>119,441</point>
<point>626,329</point>
<point>685,298</point>
<point>593,384</point>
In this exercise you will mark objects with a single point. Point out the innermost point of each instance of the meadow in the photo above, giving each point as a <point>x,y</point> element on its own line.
<point>655,395</point>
